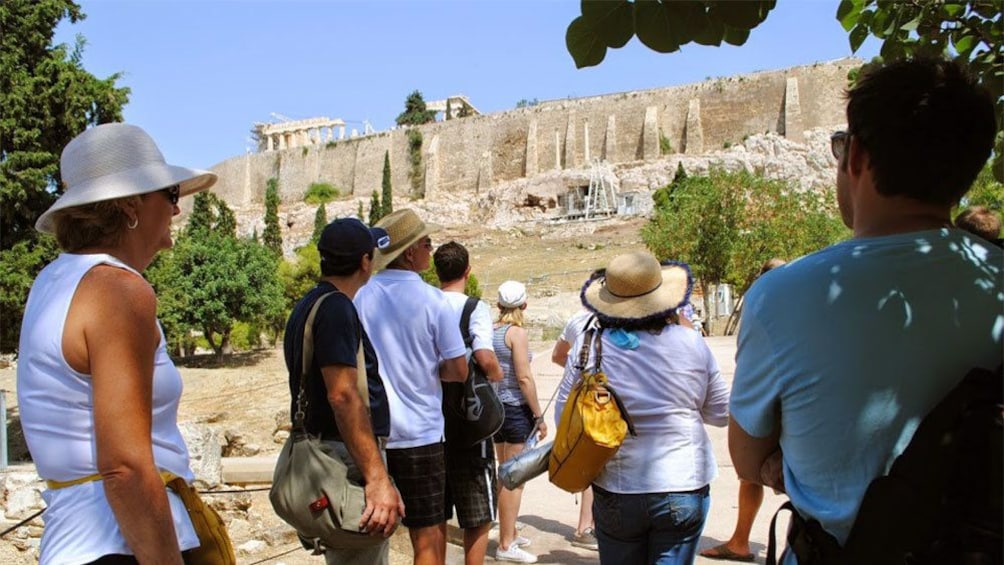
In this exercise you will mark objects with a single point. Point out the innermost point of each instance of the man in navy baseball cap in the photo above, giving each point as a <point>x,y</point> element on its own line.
<point>344,242</point>
<point>351,429</point>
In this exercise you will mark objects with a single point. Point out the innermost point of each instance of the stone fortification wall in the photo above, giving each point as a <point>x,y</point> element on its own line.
<point>471,155</point>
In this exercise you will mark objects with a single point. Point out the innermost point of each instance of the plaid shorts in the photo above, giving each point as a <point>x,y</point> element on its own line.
<point>471,484</point>
<point>420,475</point>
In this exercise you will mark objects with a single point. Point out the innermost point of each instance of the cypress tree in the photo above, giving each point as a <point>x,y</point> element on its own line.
<point>272,237</point>
<point>320,220</point>
<point>388,196</point>
<point>375,208</point>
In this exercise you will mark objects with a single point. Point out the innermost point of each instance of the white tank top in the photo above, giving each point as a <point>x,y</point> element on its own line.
<point>57,415</point>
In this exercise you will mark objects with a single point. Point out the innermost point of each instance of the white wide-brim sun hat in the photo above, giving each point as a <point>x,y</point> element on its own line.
<point>635,287</point>
<point>113,161</point>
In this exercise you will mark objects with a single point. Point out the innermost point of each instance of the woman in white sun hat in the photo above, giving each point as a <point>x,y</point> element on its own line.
<point>97,392</point>
<point>651,500</point>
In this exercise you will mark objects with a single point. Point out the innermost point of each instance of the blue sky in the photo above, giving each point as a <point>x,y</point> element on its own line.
<point>202,72</point>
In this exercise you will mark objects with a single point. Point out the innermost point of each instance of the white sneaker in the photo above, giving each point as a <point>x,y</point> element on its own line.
<point>514,554</point>
<point>521,541</point>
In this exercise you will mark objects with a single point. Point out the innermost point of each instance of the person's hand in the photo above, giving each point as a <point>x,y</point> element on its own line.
<point>384,508</point>
<point>541,430</point>
<point>772,472</point>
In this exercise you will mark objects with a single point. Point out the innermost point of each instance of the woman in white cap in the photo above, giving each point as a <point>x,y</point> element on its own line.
<point>652,498</point>
<point>98,394</point>
<point>523,418</point>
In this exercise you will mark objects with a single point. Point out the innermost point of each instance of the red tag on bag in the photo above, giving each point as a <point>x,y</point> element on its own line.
<point>319,504</point>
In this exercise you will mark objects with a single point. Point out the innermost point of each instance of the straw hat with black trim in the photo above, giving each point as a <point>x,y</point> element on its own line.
<point>113,161</point>
<point>636,288</point>
<point>404,228</point>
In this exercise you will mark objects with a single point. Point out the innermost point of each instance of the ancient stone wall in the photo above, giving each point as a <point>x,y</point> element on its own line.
<point>468,156</point>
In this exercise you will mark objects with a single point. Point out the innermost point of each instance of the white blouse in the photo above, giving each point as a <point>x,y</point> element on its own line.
<point>671,387</point>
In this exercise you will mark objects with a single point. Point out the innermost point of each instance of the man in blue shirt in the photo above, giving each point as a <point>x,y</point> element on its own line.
<point>841,353</point>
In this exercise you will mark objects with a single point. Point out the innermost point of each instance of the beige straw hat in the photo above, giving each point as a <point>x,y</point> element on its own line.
<point>116,160</point>
<point>404,228</point>
<point>635,287</point>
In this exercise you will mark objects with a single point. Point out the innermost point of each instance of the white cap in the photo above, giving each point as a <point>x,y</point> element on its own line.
<point>512,294</point>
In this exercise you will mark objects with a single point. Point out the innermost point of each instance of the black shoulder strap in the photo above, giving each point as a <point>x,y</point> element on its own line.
<point>465,320</point>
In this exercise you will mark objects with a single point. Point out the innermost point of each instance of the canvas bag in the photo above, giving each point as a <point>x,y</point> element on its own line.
<point>593,424</point>
<point>215,547</point>
<point>472,409</point>
<point>310,488</point>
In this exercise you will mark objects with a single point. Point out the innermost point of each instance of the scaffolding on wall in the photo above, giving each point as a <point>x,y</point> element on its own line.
<point>598,199</point>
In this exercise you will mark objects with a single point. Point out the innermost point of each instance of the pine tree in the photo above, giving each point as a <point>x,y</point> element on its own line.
<point>272,237</point>
<point>448,110</point>
<point>387,206</point>
<point>320,220</point>
<point>375,208</point>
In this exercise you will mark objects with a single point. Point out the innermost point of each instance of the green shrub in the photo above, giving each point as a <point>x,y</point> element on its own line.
<point>320,193</point>
<point>245,336</point>
<point>665,147</point>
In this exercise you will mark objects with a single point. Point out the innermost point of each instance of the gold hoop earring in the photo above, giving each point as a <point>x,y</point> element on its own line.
<point>133,224</point>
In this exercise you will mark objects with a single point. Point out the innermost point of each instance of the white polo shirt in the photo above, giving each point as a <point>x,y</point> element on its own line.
<point>412,328</point>
<point>481,320</point>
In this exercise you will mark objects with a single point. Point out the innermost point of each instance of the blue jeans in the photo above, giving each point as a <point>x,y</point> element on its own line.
<point>661,528</point>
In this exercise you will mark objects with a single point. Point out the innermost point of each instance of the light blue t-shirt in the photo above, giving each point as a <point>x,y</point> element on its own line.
<point>853,345</point>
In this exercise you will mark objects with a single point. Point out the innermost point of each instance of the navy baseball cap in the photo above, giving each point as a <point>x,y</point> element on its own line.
<point>347,239</point>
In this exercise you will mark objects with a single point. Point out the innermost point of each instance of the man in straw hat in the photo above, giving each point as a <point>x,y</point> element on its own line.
<point>652,497</point>
<point>351,430</point>
<point>841,353</point>
<point>417,338</point>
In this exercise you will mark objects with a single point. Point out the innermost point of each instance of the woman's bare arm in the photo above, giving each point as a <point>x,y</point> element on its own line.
<point>520,345</point>
<point>116,311</point>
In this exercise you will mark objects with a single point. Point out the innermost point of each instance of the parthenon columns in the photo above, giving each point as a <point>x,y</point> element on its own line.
<point>299,133</point>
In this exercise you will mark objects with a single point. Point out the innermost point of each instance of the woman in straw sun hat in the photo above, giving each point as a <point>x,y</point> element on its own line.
<point>97,391</point>
<point>651,500</point>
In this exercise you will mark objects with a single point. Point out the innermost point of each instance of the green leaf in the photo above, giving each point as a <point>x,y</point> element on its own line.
<point>652,22</point>
<point>964,45</point>
<point>741,15</point>
<point>911,25</point>
<point>712,33</point>
<point>953,10</point>
<point>857,37</point>
<point>586,47</point>
<point>736,37</point>
<point>848,13</point>
<point>612,21</point>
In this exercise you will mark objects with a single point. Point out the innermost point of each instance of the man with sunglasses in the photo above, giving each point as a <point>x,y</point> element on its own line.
<point>841,353</point>
<point>350,429</point>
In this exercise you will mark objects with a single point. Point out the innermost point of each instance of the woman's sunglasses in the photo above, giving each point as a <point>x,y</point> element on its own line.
<point>173,194</point>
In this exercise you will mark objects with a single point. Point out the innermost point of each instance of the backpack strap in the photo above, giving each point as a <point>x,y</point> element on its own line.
<point>465,320</point>
<point>811,544</point>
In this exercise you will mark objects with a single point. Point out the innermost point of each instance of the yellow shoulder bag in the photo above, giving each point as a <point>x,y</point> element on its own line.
<point>593,424</point>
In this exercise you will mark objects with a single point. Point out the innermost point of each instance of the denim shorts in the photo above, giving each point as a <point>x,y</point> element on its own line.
<point>517,426</point>
<point>661,528</point>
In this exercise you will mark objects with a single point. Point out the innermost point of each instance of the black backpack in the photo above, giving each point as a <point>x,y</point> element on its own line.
<point>942,501</point>
<point>472,409</point>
